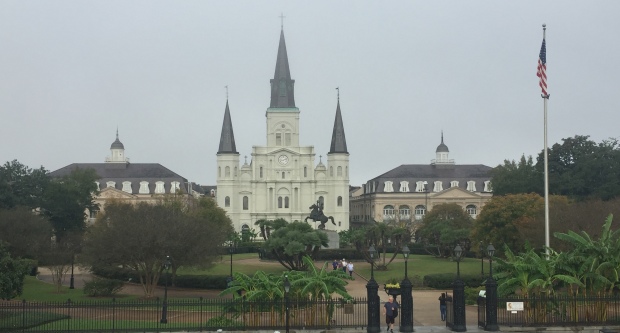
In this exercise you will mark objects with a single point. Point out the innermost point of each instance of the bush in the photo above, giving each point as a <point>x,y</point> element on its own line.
<point>102,287</point>
<point>199,281</point>
<point>444,280</point>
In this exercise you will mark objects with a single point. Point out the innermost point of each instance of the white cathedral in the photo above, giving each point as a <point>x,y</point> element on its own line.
<point>283,179</point>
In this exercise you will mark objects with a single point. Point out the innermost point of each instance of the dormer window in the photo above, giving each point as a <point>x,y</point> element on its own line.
<point>438,186</point>
<point>471,186</point>
<point>388,187</point>
<point>404,186</point>
<point>487,186</point>
<point>97,183</point>
<point>420,186</point>
<point>159,187</point>
<point>174,187</point>
<point>127,187</point>
<point>144,187</point>
<point>454,183</point>
<point>110,184</point>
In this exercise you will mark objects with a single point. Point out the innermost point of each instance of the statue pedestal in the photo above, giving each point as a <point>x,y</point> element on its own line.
<point>333,239</point>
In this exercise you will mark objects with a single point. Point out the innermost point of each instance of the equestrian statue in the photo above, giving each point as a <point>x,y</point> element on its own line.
<point>316,214</point>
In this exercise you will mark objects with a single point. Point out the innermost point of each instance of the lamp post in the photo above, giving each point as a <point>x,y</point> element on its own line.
<point>481,249</point>
<point>287,287</point>
<point>372,289</point>
<point>406,321</point>
<point>164,309</point>
<point>231,250</point>
<point>71,280</point>
<point>459,295</point>
<point>491,295</point>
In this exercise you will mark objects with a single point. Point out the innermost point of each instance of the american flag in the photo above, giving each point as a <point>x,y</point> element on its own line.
<point>542,68</point>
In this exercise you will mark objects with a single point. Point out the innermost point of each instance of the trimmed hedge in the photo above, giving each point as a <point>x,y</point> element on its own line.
<point>444,280</point>
<point>181,281</point>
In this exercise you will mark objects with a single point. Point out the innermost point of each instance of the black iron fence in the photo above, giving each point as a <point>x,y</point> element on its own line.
<point>182,315</point>
<point>557,311</point>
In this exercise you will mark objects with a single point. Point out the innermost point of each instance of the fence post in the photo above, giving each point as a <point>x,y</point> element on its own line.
<point>23,315</point>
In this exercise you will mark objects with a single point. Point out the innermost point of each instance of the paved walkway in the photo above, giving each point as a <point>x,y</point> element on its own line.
<point>425,302</point>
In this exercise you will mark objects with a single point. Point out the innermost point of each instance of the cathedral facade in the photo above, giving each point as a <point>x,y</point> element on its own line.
<point>283,178</point>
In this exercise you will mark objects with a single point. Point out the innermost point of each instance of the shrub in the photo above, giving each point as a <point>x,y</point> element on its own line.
<point>444,280</point>
<point>102,287</point>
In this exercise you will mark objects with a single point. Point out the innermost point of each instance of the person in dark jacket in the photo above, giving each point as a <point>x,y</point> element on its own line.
<point>390,310</point>
<point>442,306</point>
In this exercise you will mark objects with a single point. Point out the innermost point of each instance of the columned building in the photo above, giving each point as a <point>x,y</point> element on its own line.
<point>283,178</point>
<point>404,194</point>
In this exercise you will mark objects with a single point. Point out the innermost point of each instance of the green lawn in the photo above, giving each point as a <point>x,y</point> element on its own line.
<point>239,264</point>
<point>421,265</point>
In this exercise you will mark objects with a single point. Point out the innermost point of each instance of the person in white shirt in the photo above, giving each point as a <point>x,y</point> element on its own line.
<point>350,269</point>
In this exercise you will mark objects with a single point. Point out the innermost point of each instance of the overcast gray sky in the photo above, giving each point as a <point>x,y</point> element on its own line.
<point>72,71</point>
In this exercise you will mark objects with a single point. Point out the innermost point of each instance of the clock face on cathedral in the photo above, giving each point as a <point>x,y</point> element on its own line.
<point>283,159</point>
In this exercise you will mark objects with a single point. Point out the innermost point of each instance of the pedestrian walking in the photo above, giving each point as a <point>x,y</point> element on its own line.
<point>390,310</point>
<point>442,306</point>
<point>335,264</point>
<point>350,268</point>
<point>344,265</point>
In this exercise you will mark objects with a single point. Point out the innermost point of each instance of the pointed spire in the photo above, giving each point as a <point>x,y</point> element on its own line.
<point>117,144</point>
<point>282,86</point>
<point>227,139</point>
<point>339,142</point>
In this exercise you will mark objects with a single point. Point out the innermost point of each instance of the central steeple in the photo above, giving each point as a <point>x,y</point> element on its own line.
<point>282,86</point>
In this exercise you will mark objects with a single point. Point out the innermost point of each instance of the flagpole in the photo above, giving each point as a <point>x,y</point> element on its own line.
<point>545,100</point>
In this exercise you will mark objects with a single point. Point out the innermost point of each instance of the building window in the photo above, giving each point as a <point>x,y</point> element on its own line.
<point>260,172</point>
<point>438,186</point>
<point>279,202</point>
<point>159,187</point>
<point>285,202</point>
<point>471,210</point>
<point>235,171</point>
<point>404,212</point>
<point>471,186</point>
<point>420,186</point>
<point>212,192</point>
<point>404,186</point>
<point>282,174</point>
<point>339,171</point>
<point>97,183</point>
<point>331,171</point>
<point>305,172</point>
<point>487,186</point>
<point>420,211</point>
<point>227,202</point>
<point>454,183</point>
<point>174,187</point>
<point>387,187</point>
<point>278,139</point>
<point>227,172</point>
<point>388,212</point>
<point>339,201</point>
<point>246,203</point>
<point>219,172</point>
<point>287,139</point>
<point>321,201</point>
<point>339,223</point>
<point>110,184</point>
<point>127,187</point>
<point>144,187</point>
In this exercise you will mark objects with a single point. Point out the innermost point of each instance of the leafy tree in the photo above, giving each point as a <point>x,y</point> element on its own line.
<point>266,226</point>
<point>380,235</point>
<point>66,200</point>
<point>12,272</point>
<point>291,242</point>
<point>25,234</point>
<point>444,227</point>
<point>514,178</point>
<point>21,185</point>
<point>498,221</point>
<point>141,236</point>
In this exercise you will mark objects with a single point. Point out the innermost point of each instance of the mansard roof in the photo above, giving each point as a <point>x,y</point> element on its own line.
<point>413,173</point>
<point>132,172</point>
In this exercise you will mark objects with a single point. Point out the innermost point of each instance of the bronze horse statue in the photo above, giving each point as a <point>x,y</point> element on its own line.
<point>317,215</point>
